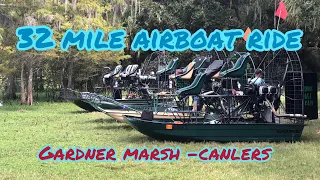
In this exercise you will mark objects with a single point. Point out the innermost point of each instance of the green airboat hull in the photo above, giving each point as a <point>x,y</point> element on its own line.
<point>139,104</point>
<point>217,132</point>
<point>84,105</point>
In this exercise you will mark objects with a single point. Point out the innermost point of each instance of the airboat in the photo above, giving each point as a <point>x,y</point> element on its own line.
<point>121,81</point>
<point>154,86</point>
<point>230,107</point>
<point>139,85</point>
<point>212,98</point>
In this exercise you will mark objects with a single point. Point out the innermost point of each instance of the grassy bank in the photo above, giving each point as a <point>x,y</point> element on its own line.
<point>24,130</point>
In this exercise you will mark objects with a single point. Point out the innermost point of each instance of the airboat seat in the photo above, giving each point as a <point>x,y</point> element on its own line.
<point>170,68</point>
<point>167,67</point>
<point>194,88</point>
<point>134,70</point>
<point>131,70</point>
<point>126,71</point>
<point>202,63</point>
<point>214,68</point>
<point>114,73</point>
<point>239,68</point>
<point>227,65</point>
<point>189,71</point>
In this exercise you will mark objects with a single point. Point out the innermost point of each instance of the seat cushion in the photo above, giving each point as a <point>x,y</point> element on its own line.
<point>214,67</point>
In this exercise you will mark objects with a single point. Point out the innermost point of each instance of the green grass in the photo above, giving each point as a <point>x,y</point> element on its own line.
<point>24,130</point>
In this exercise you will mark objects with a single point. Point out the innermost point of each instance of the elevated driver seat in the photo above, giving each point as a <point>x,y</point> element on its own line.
<point>239,68</point>
<point>194,88</point>
<point>214,68</point>
<point>169,69</point>
<point>189,71</point>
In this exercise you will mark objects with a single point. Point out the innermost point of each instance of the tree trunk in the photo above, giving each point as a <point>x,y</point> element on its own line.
<point>135,9</point>
<point>65,6</point>
<point>114,15</point>
<point>107,17</point>
<point>70,75</point>
<point>74,2</point>
<point>10,92</point>
<point>131,9</point>
<point>62,75</point>
<point>139,7</point>
<point>30,86</point>
<point>41,84</point>
<point>23,91</point>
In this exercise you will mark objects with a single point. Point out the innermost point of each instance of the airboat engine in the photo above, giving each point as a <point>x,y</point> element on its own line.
<point>268,91</point>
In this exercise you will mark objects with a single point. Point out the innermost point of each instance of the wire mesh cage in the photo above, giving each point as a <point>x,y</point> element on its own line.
<point>283,69</point>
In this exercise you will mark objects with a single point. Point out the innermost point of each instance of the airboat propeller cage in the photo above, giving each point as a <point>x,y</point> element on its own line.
<point>153,63</point>
<point>282,69</point>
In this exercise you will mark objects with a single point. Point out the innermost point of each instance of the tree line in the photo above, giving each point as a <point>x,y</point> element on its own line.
<point>28,74</point>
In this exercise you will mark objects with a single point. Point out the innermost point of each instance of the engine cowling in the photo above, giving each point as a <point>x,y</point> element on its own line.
<point>267,89</point>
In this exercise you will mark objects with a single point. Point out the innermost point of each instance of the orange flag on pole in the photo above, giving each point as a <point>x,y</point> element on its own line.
<point>281,11</point>
<point>246,34</point>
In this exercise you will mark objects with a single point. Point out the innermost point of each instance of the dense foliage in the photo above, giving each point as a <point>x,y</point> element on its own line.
<point>22,73</point>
